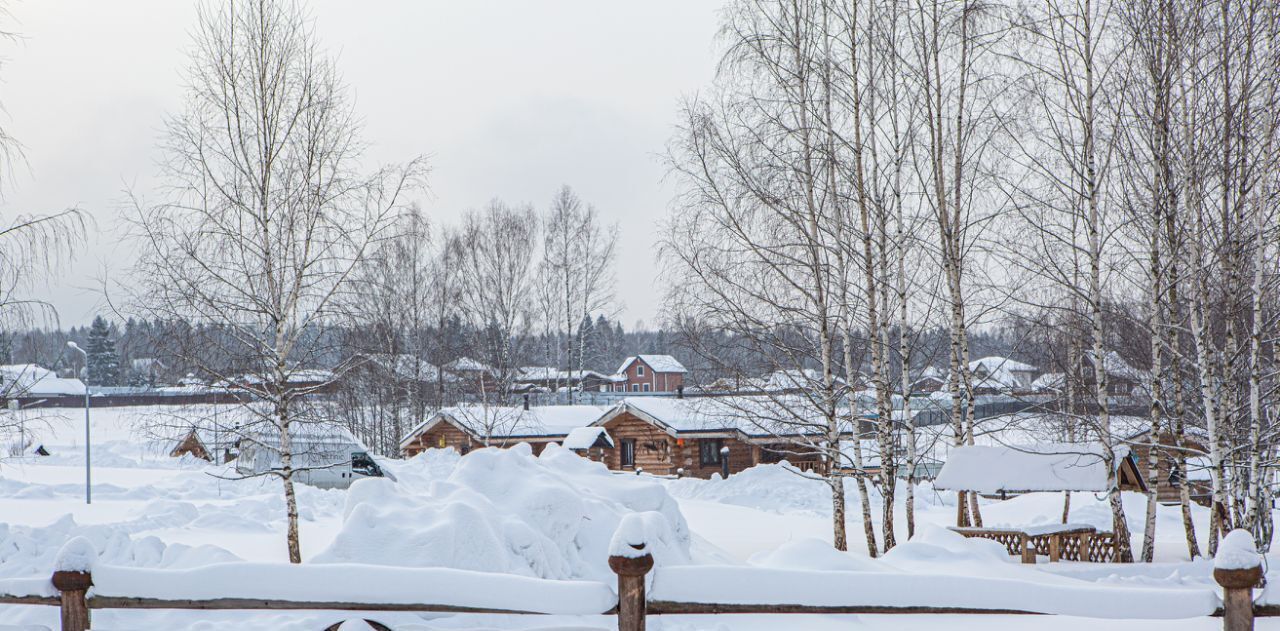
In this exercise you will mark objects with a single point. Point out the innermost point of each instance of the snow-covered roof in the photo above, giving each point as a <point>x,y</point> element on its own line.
<point>750,415</point>
<point>405,366</point>
<point>1050,381</point>
<point>1000,373</point>
<point>1116,366</point>
<point>466,364</point>
<point>1045,467</point>
<point>994,363</point>
<point>795,379</point>
<point>658,363</point>
<point>298,375</point>
<point>30,380</point>
<point>932,372</point>
<point>506,422</point>
<point>586,438</point>
<point>551,373</point>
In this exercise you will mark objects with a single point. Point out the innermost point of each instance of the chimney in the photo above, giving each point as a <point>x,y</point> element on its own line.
<point>526,401</point>
<point>680,391</point>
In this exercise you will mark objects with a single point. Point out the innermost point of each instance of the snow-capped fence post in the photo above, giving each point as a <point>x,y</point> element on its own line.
<point>72,577</point>
<point>629,558</point>
<point>1237,568</point>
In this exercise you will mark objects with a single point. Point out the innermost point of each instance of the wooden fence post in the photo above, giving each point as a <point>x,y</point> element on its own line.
<point>631,571</point>
<point>75,607</point>
<point>1237,596</point>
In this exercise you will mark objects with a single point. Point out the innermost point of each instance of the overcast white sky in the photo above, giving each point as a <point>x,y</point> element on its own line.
<point>510,99</point>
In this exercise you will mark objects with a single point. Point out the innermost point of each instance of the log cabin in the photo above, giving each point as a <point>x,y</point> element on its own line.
<point>661,436</point>
<point>696,437</point>
<point>1170,477</point>
<point>468,427</point>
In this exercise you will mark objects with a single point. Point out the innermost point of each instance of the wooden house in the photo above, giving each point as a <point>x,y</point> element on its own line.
<point>1170,477</point>
<point>696,437</point>
<point>467,427</point>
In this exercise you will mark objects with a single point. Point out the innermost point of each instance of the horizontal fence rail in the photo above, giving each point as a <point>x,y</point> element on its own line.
<point>641,591</point>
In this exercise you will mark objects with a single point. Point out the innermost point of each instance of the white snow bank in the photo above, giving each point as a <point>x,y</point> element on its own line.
<point>1237,551</point>
<point>814,554</point>
<point>767,586</point>
<point>782,488</point>
<point>34,551</point>
<point>354,583</point>
<point>933,544</point>
<point>76,555</point>
<point>504,510</point>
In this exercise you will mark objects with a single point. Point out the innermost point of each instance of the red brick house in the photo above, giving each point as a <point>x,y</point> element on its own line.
<point>649,373</point>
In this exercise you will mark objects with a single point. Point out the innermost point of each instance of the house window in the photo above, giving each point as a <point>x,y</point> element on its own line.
<point>646,387</point>
<point>639,370</point>
<point>628,453</point>
<point>709,451</point>
<point>635,387</point>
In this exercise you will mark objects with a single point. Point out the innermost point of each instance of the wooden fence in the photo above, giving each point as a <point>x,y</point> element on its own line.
<point>1067,544</point>
<point>676,590</point>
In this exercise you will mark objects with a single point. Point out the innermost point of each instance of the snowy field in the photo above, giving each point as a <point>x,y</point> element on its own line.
<point>550,517</point>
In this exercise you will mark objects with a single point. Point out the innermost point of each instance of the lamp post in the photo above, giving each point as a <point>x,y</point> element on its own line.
<point>88,493</point>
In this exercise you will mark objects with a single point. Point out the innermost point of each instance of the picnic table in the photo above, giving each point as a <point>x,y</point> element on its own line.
<point>1071,542</point>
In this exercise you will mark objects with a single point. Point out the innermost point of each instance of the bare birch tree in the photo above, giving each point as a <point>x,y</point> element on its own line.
<point>264,219</point>
<point>577,271</point>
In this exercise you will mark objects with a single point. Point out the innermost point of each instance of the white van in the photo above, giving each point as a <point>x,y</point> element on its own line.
<point>324,456</point>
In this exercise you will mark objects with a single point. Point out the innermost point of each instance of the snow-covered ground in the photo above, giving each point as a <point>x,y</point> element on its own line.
<point>765,531</point>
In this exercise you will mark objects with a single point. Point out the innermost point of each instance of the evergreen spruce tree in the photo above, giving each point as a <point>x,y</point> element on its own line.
<point>104,365</point>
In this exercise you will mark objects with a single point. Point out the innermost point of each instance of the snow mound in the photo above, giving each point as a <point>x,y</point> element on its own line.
<point>778,488</point>
<point>76,555</point>
<point>32,551</point>
<point>504,510</point>
<point>813,554</point>
<point>1237,552</point>
<point>638,533</point>
<point>782,488</point>
<point>935,544</point>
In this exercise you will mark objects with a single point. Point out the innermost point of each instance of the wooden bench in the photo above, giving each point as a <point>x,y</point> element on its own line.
<point>1060,542</point>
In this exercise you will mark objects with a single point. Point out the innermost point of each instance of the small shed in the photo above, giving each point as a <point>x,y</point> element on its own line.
<point>993,470</point>
<point>190,444</point>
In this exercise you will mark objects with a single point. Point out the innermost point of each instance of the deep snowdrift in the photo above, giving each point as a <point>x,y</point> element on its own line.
<point>550,516</point>
<point>782,488</point>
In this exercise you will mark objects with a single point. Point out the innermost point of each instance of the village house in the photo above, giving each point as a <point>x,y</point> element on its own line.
<point>468,427</point>
<point>649,373</point>
<point>1001,375</point>
<point>1170,475</point>
<point>658,435</point>
<point>697,437</point>
<point>929,380</point>
<point>550,378</point>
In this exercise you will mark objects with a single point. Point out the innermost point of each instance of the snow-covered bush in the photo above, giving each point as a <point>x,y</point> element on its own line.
<point>502,510</point>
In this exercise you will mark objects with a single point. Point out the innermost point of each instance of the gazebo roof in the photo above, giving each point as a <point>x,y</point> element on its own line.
<point>1045,467</point>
